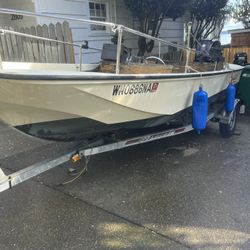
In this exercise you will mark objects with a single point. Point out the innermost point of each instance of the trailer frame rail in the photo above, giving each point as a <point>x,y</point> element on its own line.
<point>11,180</point>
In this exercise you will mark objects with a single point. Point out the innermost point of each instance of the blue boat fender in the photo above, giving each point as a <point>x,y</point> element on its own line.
<point>200,110</point>
<point>230,98</point>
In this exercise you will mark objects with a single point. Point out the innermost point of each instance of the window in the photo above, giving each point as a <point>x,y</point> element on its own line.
<point>98,12</point>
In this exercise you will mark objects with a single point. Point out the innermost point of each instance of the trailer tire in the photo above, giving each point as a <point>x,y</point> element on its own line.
<point>227,130</point>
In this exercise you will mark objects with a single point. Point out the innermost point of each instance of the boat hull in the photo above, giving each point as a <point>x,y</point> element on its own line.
<point>94,103</point>
<point>83,128</point>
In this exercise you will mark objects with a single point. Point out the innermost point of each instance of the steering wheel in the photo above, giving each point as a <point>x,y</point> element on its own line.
<point>156,58</point>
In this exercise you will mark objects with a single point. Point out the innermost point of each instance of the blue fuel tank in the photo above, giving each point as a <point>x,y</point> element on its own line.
<point>200,110</point>
<point>230,98</point>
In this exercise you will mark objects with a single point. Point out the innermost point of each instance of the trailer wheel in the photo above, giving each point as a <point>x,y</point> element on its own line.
<point>227,129</point>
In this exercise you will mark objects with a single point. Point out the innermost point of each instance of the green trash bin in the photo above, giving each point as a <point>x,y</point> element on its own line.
<point>244,86</point>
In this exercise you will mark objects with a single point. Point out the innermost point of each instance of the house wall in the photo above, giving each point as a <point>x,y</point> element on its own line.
<point>117,13</point>
<point>171,31</point>
<point>12,21</point>
<point>81,32</point>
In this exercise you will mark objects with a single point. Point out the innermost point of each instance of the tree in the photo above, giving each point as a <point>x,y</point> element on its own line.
<point>150,14</point>
<point>241,12</point>
<point>207,17</point>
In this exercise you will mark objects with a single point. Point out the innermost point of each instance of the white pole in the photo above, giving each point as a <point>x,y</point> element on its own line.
<point>188,46</point>
<point>1,62</point>
<point>159,49</point>
<point>80,58</point>
<point>119,45</point>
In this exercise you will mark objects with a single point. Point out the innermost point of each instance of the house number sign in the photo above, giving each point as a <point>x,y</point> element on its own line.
<point>16,17</point>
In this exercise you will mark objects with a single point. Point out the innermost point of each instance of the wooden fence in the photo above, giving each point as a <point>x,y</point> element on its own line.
<point>230,52</point>
<point>16,48</point>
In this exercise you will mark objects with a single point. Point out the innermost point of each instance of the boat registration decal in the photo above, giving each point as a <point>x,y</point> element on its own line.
<point>135,89</point>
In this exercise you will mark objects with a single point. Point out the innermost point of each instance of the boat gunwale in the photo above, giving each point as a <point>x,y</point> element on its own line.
<point>107,76</point>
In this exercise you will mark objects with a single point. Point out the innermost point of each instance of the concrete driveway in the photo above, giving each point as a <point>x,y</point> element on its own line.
<point>187,192</point>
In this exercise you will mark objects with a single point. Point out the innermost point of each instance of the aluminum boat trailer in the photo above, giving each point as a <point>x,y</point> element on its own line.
<point>227,126</point>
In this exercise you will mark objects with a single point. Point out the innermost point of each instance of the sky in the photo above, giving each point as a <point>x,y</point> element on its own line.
<point>230,25</point>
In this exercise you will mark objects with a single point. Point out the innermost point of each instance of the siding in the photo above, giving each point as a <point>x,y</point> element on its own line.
<point>67,8</point>
<point>5,19</point>
<point>171,31</point>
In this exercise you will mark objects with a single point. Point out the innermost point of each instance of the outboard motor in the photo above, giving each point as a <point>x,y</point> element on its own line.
<point>209,51</point>
<point>240,59</point>
<point>109,51</point>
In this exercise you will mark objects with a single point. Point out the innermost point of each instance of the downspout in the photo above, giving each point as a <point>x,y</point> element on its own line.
<point>1,62</point>
<point>115,11</point>
<point>36,4</point>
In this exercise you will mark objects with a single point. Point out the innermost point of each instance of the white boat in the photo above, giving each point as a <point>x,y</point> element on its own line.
<point>68,101</point>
